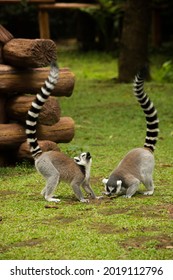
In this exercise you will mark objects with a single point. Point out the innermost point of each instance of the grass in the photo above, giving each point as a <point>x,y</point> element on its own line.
<point>109,122</point>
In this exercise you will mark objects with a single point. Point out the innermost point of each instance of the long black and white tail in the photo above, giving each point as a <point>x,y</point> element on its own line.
<point>36,106</point>
<point>149,110</point>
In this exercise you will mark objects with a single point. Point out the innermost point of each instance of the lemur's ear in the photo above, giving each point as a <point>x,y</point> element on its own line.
<point>104,181</point>
<point>119,183</point>
<point>77,160</point>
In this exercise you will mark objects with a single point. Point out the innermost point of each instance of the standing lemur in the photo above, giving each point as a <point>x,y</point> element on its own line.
<point>138,165</point>
<point>55,166</point>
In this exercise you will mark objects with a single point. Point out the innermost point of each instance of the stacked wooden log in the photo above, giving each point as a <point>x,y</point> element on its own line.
<point>23,69</point>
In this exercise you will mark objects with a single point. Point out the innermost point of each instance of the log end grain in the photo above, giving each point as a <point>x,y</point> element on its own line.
<point>26,53</point>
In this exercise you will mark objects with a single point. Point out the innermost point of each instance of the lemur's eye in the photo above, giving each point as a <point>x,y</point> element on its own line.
<point>76,159</point>
<point>83,155</point>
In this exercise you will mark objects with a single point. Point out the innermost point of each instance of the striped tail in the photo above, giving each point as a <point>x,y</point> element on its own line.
<point>36,106</point>
<point>150,112</point>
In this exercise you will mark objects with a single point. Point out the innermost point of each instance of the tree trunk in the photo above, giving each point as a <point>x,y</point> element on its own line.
<point>26,53</point>
<point>17,109</point>
<point>156,30</point>
<point>30,81</point>
<point>134,42</point>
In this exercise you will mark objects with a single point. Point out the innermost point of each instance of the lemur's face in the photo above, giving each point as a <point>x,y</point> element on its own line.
<point>112,187</point>
<point>84,159</point>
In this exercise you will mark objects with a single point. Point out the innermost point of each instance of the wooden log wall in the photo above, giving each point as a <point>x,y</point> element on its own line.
<point>21,77</point>
<point>30,80</point>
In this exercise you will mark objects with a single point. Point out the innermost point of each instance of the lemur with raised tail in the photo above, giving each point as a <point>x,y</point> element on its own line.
<point>55,166</point>
<point>138,165</point>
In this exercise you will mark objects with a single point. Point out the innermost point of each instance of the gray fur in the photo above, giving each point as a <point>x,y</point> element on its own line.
<point>138,165</point>
<point>56,166</point>
<point>135,168</point>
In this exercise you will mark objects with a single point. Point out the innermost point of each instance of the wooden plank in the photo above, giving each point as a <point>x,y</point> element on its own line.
<point>5,35</point>
<point>28,1</point>
<point>43,20</point>
<point>67,6</point>
<point>44,16</point>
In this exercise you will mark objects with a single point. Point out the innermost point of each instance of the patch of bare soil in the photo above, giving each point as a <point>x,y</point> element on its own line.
<point>107,228</point>
<point>59,220</point>
<point>30,242</point>
<point>103,228</point>
<point>25,243</point>
<point>108,211</point>
<point>153,211</point>
<point>162,242</point>
<point>170,211</point>
<point>7,192</point>
<point>142,211</point>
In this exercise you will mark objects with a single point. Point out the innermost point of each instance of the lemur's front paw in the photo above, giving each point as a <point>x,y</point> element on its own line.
<point>126,196</point>
<point>84,200</point>
<point>148,193</point>
<point>99,197</point>
<point>106,193</point>
<point>51,199</point>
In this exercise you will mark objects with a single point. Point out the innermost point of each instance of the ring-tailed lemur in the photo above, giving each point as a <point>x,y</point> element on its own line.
<point>138,165</point>
<point>55,166</point>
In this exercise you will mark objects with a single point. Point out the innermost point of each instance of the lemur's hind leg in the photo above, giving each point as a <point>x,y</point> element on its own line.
<point>132,189</point>
<point>149,186</point>
<point>147,177</point>
<point>43,192</point>
<point>51,174</point>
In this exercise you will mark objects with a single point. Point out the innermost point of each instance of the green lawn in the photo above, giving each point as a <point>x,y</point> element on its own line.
<point>109,122</point>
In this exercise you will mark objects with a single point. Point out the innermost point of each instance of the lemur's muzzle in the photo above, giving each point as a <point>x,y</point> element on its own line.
<point>88,155</point>
<point>109,193</point>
